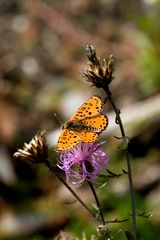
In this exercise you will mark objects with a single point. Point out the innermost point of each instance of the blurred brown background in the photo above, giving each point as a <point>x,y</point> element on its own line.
<point>42,61</point>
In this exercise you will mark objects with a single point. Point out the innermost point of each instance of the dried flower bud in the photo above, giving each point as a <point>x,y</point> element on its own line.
<point>66,236</point>
<point>36,151</point>
<point>91,54</point>
<point>103,230</point>
<point>101,72</point>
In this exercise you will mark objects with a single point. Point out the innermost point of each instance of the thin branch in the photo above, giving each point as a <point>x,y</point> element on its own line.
<point>117,221</point>
<point>143,214</point>
<point>119,121</point>
<point>53,170</point>
<point>97,202</point>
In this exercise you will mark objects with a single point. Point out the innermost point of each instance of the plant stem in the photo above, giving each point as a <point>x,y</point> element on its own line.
<point>54,172</point>
<point>97,202</point>
<point>117,112</point>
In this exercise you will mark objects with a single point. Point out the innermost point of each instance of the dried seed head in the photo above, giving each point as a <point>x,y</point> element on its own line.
<point>100,73</point>
<point>103,230</point>
<point>36,151</point>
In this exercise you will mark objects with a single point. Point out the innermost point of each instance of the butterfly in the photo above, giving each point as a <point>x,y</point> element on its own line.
<point>85,125</point>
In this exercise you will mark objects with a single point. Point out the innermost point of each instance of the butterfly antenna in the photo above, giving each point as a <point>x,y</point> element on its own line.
<point>58,120</point>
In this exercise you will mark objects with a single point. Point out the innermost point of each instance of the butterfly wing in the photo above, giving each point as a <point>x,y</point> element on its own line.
<point>88,137</point>
<point>67,140</point>
<point>100,122</point>
<point>91,107</point>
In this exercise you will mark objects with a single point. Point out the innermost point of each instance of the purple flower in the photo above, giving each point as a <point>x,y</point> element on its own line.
<point>83,162</point>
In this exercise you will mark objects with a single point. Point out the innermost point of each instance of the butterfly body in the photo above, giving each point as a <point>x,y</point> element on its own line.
<point>84,126</point>
<point>80,126</point>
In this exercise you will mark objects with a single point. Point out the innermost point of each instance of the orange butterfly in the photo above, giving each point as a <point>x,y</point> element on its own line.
<point>84,126</point>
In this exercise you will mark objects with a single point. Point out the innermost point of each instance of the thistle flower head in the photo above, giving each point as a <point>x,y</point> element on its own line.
<point>35,151</point>
<point>100,73</point>
<point>83,162</point>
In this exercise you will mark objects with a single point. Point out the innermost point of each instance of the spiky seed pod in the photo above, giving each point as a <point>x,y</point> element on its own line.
<point>36,151</point>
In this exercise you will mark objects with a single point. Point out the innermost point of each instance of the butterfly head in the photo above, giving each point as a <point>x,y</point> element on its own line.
<point>68,125</point>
